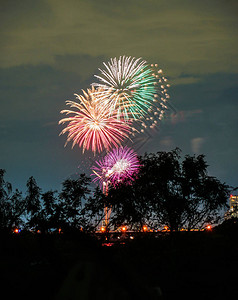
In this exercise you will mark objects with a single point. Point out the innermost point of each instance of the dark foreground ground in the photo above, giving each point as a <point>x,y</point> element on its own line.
<point>196,265</point>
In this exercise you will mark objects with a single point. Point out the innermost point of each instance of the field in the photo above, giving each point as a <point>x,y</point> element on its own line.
<point>195,265</point>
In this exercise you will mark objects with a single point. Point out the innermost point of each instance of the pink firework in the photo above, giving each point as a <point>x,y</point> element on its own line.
<point>93,125</point>
<point>117,166</point>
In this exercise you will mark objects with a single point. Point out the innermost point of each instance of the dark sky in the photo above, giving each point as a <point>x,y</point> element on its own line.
<point>51,49</point>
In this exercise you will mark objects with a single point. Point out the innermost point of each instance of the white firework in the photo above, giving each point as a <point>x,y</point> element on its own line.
<point>131,86</point>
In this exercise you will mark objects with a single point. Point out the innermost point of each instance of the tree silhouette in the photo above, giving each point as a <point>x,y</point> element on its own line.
<point>167,191</point>
<point>129,205</point>
<point>12,205</point>
<point>171,192</point>
<point>33,204</point>
<point>93,210</point>
<point>44,218</point>
<point>74,191</point>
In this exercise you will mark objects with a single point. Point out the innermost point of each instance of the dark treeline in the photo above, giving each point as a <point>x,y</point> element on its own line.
<point>168,191</point>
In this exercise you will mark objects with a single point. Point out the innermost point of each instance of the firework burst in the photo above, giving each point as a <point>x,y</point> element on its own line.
<point>118,165</point>
<point>92,125</point>
<point>157,109</point>
<point>130,84</point>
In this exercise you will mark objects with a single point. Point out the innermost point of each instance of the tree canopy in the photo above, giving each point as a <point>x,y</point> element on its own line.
<point>168,191</point>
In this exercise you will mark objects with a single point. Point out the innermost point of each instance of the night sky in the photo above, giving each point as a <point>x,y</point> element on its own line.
<point>51,49</point>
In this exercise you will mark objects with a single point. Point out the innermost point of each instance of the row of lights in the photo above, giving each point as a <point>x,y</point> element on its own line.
<point>145,228</point>
<point>17,230</point>
<point>123,229</point>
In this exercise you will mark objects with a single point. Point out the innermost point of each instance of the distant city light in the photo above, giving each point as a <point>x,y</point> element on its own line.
<point>145,228</point>
<point>123,228</point>
<point>209,227</point>
<point>103,229</point>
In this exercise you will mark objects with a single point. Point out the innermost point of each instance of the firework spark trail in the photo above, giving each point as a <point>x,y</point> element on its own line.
<point>118,165</point>
<point>131,97</point>
<point>93,126</point>
<point>137,91</point>
<point>131,86</point>
<point>124,163</point>
<point>156,110</point>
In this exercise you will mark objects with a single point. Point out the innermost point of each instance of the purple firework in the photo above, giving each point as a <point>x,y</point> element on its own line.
<point>118,165</point>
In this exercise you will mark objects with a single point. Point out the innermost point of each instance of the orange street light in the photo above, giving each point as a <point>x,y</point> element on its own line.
<point>145,228</point>
<point>123,228</point>
<point>103,229</point>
